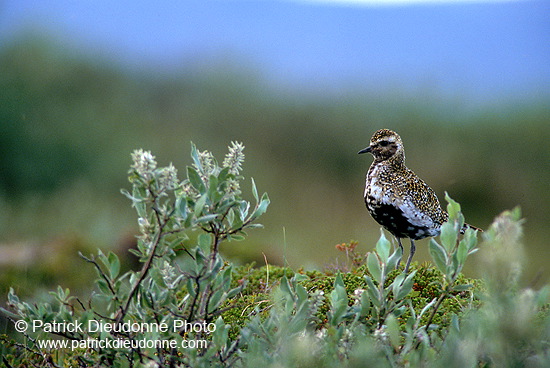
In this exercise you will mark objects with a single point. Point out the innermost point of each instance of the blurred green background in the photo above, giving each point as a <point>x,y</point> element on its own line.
<point>69,123</point>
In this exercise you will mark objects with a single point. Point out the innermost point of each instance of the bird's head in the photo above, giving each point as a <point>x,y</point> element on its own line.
<point>384,145</point>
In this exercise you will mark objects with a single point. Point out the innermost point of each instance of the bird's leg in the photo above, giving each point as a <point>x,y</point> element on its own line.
<point>400,246</point>
<point>413,249</point>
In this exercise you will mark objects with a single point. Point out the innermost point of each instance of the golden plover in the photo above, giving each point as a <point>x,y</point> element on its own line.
<point>398,199</point>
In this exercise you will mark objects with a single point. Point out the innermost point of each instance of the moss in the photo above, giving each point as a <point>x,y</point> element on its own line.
<point>259,280</point>
<point>239,311</point>
<point>427,287</point>
<point>255,296</point>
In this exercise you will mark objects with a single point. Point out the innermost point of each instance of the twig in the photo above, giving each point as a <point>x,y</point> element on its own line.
<point>102,274</point>
<point>144,269</point>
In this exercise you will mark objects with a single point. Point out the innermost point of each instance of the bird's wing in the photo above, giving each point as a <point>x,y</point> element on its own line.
<point>415,191</point>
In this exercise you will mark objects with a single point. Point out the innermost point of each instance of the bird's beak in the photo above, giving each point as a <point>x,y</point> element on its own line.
<point>365,150</point>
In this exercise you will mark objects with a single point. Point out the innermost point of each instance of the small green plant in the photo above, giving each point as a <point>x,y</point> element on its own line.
<point>354,259</point>
<point>511,328</point>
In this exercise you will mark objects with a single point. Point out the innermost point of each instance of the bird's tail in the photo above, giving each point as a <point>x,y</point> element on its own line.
<point>466,226</point>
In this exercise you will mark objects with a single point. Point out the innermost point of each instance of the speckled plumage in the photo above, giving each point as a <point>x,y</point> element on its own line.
<point>397,198</point>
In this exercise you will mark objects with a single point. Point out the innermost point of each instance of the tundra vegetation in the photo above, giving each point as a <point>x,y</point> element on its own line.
<point>187,306</point>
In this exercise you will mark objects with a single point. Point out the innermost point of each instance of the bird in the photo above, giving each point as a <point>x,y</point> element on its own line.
<point>396,197</point>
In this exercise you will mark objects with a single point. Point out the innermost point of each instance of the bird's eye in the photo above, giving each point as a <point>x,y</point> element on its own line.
<point>384,143</point>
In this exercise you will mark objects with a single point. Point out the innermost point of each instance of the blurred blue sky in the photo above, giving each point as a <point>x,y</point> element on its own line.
<point>478,51</point>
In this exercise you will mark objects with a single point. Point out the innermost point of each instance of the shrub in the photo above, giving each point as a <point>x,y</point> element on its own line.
<point>175,298</point>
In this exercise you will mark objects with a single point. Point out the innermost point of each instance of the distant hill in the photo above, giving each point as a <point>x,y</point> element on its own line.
<point>480,52</point>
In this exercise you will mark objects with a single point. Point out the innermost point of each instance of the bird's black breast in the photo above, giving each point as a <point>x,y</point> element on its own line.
<point>395,221</point>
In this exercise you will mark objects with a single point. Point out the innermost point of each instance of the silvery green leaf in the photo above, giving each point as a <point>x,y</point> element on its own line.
<point>13,299</point>
<point>254,226</point>
<point>238,221</point>
<point>206,218</point>
<point>374,267</point>
<point>394,259</point>
<point>181,207</point>
<point>103,287</point>
<point>220,334</point>
<point>139,202</point>
<point>438,255</point>
<point>262,207</point>
<point>470,238</point>
<point>235,237</point>
<point>406,286</point>
<point>396,284</point>
<point>462,251</point>
<point>301,293</point>
<point>204,241</point>
<point>190,287</point>
<point>243,208</point>
<point>215,300</point>
<point>339,281</point>
<point>199,206</point>
<point>448,236</point>
<point>284,286</point>
<point>373,292</point>
<point>383,247</point>
<point>212,186</point>
<point>114,265</point>
<point>427,307</point>
<point>195,156</point>
<point>230,217</point>
<point>365,303</point>
<point>233,292</point>
<point>339,303</point>
<point>394,331</point>
<point>254,190</point>
<point>195,179</point>
<point>453,208</point>
<point>223,176</point>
